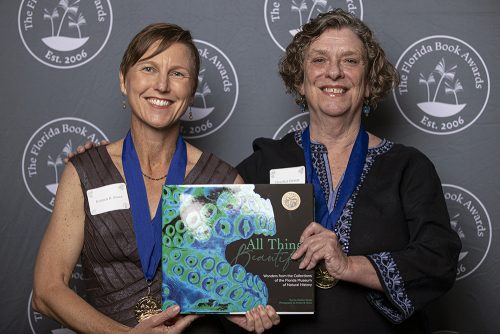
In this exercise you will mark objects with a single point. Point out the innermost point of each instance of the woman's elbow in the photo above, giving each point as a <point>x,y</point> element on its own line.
<point>41,295</point>
<point>37,300</point>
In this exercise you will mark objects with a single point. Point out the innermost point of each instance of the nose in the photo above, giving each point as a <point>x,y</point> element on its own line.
<point>161,83</point>
<point>335,70</point>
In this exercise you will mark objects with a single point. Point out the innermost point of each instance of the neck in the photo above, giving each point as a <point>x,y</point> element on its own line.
<point>336,133</point>
<point>154,148</point>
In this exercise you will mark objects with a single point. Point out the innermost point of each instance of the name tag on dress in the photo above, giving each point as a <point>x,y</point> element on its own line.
<point>108,198</point>
<point>290,175</point>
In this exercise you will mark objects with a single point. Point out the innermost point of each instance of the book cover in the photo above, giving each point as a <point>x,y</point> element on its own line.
<point>227,248</point>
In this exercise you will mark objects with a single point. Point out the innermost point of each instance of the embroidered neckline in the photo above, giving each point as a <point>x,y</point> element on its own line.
<point>383,147</point>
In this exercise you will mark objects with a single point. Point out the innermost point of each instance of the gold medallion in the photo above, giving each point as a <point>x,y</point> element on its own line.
<point>323,279</point>
<point>146,307</point>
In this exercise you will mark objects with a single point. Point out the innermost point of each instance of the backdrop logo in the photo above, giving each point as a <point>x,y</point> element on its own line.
<point>43,155</point>
<point>297,122</point>
<point>216,96</point>
<point>284,18</point>
<point>65,33</point>
<point>444,85</point>
<point>469,218</point>
<point>41,324</point>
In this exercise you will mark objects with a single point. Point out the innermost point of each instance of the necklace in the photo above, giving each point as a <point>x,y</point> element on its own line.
<point>153,178</point>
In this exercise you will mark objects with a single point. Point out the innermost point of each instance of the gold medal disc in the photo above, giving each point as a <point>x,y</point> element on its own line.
<point>323,279</point>
<point>146,307</point>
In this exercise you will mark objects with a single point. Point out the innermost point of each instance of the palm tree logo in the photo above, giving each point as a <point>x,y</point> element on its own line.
<point>198,113</point>
<point>58,161</point>
<point>301,6</point>
<point>75,20</point>
<point>454,222</point>
<point>76,23</point>
<point>440,109</point>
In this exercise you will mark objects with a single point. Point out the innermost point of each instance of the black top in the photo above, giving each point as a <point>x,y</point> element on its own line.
<point>397,218</point>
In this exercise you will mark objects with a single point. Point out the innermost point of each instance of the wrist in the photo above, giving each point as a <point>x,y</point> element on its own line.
<point>343,273</point>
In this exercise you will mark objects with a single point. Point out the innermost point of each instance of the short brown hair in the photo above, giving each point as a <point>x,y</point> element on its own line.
<point>382,75</point>
<point>166,34</point>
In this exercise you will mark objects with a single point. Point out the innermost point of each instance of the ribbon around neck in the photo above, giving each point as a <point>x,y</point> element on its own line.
<point>147,231</point>
<point>350,181</point>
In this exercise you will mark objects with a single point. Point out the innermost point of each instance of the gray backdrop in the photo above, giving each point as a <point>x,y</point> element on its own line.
<point>59,87</point>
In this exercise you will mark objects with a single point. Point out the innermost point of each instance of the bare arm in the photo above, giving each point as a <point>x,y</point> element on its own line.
<point>58,254</point>
<point>359,270</point>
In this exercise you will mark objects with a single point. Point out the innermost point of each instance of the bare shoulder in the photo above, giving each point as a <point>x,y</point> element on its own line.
<point>115,152</point>
<point>115,149</point>
<point>69,183</point>
<point>68,213</point>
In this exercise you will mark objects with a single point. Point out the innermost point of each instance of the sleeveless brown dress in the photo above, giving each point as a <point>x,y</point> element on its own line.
<point>111,267</point>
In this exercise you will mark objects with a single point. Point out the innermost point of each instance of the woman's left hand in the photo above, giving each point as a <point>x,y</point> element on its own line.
<point>257,320</point>
<point>318,243</point>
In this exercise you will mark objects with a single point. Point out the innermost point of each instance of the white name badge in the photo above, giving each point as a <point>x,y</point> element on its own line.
<point>108,198</point>
<point>295,175</point>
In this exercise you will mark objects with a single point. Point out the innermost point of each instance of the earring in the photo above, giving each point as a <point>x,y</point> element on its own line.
<point>124,101</point>
<point>190,114</point>
<point>366,109</point>
<point>301,101</point>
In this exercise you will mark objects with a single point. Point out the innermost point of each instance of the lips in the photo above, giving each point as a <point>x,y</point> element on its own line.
<point>159,102</point>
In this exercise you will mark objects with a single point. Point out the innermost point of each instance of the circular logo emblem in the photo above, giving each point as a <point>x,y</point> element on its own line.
<point>444,85</point>
<point>216,96</point>
<point>44,153</point>
<point>40,324</point>
<point>290,200</point>
<point>297,122</point>
<point>469,218</point>
<point>284,18</point>
<point>64,33</point>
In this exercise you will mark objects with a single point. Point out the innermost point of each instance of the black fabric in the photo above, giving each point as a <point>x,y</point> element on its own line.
<point>399,213</point>
<point>269,154</point>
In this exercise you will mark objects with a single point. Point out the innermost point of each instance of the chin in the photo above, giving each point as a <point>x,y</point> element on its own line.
<point>334,112</point>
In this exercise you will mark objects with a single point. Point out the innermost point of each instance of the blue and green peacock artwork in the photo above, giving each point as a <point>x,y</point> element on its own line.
<point>198,224</point>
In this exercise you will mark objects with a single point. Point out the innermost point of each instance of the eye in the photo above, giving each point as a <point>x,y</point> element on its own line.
<point>178,75</point>
<point>318,60</point>
<point>148,69</point>
<point>352,61</point>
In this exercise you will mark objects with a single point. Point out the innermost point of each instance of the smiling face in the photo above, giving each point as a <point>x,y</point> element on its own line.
<point>159,89</point>
<point>335,72</point>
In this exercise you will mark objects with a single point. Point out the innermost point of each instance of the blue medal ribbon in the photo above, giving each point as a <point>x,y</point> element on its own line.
<point>350,181</point>
<point>147,231</point>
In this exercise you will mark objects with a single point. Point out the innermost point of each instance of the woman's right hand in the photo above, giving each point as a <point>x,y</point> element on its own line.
<point>168,321</point>
<point>82,148</point>
<point>320,244</point>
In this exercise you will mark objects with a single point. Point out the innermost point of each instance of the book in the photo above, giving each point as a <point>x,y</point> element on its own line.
<point>226,248</point>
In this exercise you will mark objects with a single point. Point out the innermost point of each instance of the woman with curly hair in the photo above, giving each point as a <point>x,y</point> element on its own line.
<point>381,247</point>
